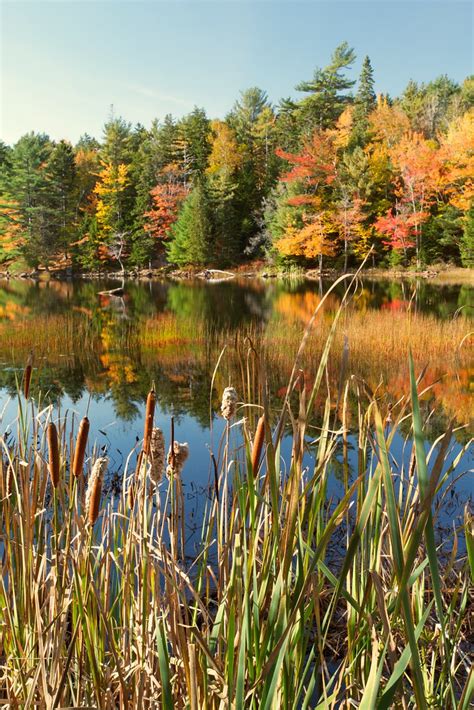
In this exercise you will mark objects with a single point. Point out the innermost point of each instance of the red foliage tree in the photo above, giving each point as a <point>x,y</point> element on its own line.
<point>167,200</point>
<point>316,164</point>
<point>398,227</point>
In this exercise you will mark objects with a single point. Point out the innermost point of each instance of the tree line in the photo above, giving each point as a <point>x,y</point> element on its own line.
<point>328,176</point>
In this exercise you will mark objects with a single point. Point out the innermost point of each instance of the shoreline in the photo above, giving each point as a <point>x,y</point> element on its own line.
<point>438,274</point>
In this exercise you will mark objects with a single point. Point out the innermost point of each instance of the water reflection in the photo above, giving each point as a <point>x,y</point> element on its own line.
<point>87,341</point>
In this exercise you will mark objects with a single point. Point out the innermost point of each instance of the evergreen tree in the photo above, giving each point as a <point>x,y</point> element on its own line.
<point>117,141</point>
<point>327,91</point>
<point>24,183</point>
<point>156,153</point>
<point>192,233</point>
<point>467,242</point>
<point>226,232</point>
<point>87,143</point>
<point>194,143</point>
<point>364,103</point>
<point>61,170</point>
<point>253,120</point>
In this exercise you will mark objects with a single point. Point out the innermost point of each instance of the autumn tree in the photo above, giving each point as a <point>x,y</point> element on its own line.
<point>397,226</point>
<point>418,164</point>
<point>311,238</point>
<point>111,192</point>
<point>167,198</point>
<point>303,223</point>
<point>457,154</point>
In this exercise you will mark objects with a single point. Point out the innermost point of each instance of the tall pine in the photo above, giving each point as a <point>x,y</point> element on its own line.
<point>364,103</point>
<point>193,231</point>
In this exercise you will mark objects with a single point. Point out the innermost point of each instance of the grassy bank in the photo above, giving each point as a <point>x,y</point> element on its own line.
<point>102,608</point>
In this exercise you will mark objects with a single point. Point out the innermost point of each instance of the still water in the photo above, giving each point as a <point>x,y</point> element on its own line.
<point>100,353</point>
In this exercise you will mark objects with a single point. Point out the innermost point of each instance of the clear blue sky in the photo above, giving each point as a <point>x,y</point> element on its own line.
<point>64,63</point>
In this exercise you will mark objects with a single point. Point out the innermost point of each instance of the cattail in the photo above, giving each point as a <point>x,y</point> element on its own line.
<point>80,448</point>
<point>149,415</point>
<point>258,444</point>
<point>157,455</point>
<point>229,403</point>
<point>27,377</point>
<point>177,458</point>
<point>53,453</point>
<point>94,488</point>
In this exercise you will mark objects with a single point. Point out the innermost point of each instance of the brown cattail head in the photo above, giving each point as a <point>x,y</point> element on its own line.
<point>229,403</point>
<point>94,489</point>
<point>80,448</point>
<point>157,455</point>
<point>27,377</point>
<point>258,444</point>
<point>131,495</point>
<point>53,453</point>
<point>177,458</point>
<point>149,415</point>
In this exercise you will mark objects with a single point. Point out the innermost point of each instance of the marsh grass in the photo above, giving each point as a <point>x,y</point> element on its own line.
<point>104,610</point>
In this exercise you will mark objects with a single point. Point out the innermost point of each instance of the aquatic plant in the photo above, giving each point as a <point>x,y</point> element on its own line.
<point>293,599</point>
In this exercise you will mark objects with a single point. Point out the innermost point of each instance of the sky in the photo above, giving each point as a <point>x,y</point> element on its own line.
<point>64,63</point>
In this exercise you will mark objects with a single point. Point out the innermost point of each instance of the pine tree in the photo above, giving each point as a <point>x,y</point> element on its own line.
<point>194,142</point>
<point>61,171</point>
<point>192,233</point>
<point>364,103</point>
<point>25,186</point>
<point>327,91</point>
<point>467,242</point>
<point>226,244</point>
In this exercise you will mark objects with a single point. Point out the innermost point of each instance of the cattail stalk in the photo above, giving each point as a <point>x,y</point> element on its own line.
<point>94,489</point>
<point>229,403</point>
<point>177,456</point>
<point>27,378</point>
<point>157,455</point>
<point>149,416</point>
<point>53,454</point>
<point>258,444</point>
<point>80,448</point>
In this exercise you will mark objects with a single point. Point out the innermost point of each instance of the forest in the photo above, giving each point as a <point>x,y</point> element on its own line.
<point>316,181</point>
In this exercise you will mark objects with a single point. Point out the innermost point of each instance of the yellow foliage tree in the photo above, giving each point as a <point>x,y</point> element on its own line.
<point>457,152</point>
<point>312,240</point>
<point>226,153</point>
<point>110,190</point>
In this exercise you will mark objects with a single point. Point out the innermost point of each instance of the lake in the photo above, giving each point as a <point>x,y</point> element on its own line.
<point>101,353</point>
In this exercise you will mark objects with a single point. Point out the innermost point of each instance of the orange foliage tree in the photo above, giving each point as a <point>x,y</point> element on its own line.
<point>418,164</point>
<point>167,199</point>
<point>308,225</point>
<point>457,152</point>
